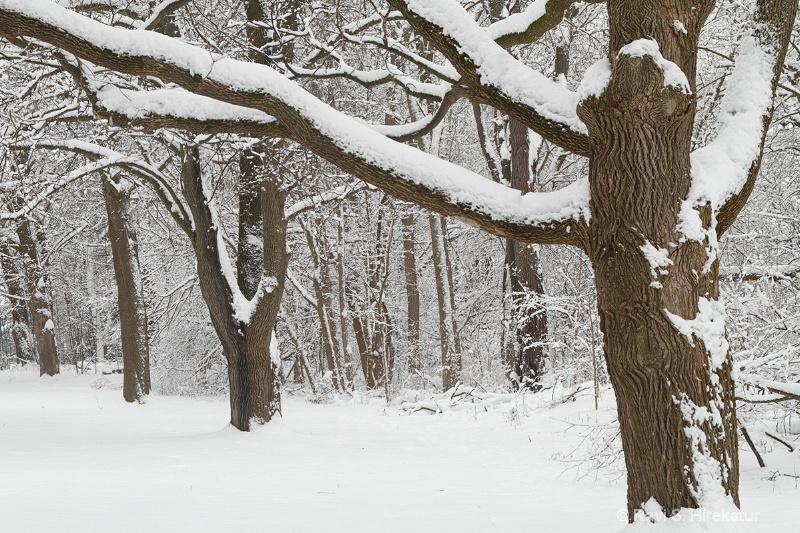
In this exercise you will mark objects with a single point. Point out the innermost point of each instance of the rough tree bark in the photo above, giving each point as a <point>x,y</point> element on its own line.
<point>20,320</point>
<point>254,390</point>
<point>522,262</point>
<point>40,307</point>
<point>676,406</point>
<point>130,290</point>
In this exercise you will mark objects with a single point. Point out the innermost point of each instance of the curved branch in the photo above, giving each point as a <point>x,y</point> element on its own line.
<point>403,171</point>
<point>162,11</point>
<point>107,158</point>
<point>529,26</point>
<point>371,78</point>
<point>494,76</point>
<point>425,125</point>
<point>724,172</point>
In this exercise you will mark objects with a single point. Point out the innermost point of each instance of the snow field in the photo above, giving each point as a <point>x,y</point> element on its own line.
<point>78,459</point>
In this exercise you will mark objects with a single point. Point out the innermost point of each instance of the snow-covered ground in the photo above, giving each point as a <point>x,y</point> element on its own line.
<point>74,458</point>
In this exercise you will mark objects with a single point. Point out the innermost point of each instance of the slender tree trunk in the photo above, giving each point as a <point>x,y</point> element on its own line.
<point>130,291</point>
<point>360,333</point>
<point>450,368</point>
<point>320,280</point>
<point>412,292</point>
<point>455,336</point>
<point>40,308</point>
<point>341,292</point>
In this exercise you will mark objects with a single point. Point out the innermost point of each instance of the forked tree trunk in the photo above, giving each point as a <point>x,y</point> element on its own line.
<point>321,281</point>
<point>130,291</point>
<point>252,374</point>
<point>448,335</point>
<point>676,407</point>
<point>40,308</point>
<point>250,254</point>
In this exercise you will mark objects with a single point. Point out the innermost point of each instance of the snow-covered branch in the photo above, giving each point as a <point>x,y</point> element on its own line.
<point>373,78</point>
<point>338,193</point>
<point>404,171</point>
<point>783,390</point>
<point>162,11</point>
<point>725,170</point>
<point>494,76</point>
<point>530,25</point>
<point>105,158</point>
<point>179,109</point>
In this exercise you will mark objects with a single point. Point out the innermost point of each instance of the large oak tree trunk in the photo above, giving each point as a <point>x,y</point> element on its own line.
<point>130,291</point>
<point>675,398</point>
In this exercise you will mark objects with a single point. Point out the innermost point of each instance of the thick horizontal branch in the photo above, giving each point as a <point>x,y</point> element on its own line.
<point>403,171</point>
<point>177,109</point>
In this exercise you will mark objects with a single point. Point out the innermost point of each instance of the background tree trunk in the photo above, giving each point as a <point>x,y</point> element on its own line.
<point>412,292</point>
<point>39,302</point>
<point>20,319</point>
<point>522,262</point>
<point>448,333</point>
<point>130,290</point>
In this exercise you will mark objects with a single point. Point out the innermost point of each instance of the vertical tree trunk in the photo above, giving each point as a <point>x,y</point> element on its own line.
<point>252,374</point>
<point>455,336</point>
<point>20,320</point>
<point>39,304</point>
<point>360,332</point>
<point>250,253</point>
<point>412,292</point>
<point>522,262</point>
<point>130,291</point>
<point>328,340</point>
<point>674,393</point>
<point>451,360</point>
<point>341,292</point>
